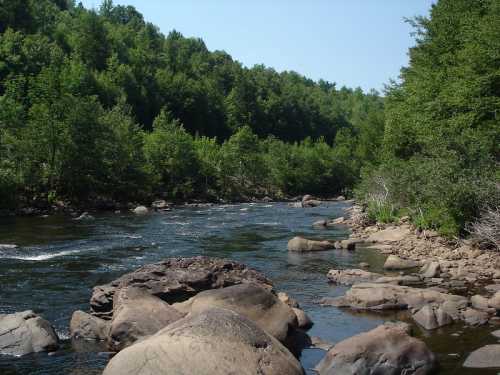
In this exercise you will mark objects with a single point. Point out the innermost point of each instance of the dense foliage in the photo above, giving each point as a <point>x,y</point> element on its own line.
<point>442,135</point>
<point>101,104</point>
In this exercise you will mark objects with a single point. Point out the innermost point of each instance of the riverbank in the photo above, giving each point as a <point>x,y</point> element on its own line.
<point>441,283</point>
<point>101,205</point>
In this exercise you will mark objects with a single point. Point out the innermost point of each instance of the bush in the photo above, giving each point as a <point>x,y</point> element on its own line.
<point>486,229</point>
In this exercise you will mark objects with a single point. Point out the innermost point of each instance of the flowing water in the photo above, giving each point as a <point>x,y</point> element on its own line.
<point>59,260</point>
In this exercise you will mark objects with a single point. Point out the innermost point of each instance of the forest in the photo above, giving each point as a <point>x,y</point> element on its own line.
<point>99,105</point>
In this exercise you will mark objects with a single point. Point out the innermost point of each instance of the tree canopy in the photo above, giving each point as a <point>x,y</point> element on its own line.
<point>100,103</point>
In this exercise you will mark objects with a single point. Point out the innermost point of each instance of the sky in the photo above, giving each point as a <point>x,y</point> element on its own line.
<point>354,43</point>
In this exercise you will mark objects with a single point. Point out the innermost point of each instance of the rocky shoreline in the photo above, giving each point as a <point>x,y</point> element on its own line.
<point>438,281</point>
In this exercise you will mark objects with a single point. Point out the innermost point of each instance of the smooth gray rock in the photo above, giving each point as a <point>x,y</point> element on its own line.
<point>138,314</point>
<point>351,276</point>
<point>140,210</point>
<point>88,327</point>
<point>431,270</point>
<point>387,349</point>
<point>300,244</point>
<point>24,333</point>
<point>393,262</point>
<point>373,296</point>
<point>475,317</point>
<point>431,317</point>
<point>216,341</point>
<point>251,301</point>
<point>486,357</point>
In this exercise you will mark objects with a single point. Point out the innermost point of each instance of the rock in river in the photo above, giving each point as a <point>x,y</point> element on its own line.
<point>88,327</point>
<point>351,276</point>
<point>25,332</point>
<point>387,349</point>
<point>138,314</point>
<point>140,210</point>
<point>373,296</point>
<point>216,341</point>
<point>251,301</point>
<point>176,280</point>
<point>432,317</point>
<point>486,357</point>
<point>301,244</point>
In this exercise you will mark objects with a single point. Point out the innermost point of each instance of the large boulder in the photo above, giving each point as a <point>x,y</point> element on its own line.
<point>393,262</point>
<point>138,314</point>
<point>24,333</point>
<point>216,341</point>
<point>88,327</point>
<point>251,301</point>
<point>387,349</point>
<point>176,280</point>
<point>486,357</point>
<point>301,244</point>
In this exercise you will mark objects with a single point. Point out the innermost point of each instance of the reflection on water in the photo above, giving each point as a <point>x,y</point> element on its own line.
<point>59,260</point>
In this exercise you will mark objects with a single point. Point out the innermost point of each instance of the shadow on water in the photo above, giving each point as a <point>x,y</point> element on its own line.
<point>59,260</point>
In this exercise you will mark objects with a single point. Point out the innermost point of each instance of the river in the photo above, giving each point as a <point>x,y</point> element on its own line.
<point>59,260</point>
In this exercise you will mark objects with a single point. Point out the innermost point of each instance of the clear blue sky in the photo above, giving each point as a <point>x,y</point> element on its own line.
<point>351,42</point>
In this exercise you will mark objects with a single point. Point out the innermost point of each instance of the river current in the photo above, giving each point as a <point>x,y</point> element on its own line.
<point>59,260</point>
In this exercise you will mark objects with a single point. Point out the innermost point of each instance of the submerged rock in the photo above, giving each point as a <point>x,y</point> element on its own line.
<point>176,280</point>
<point>351,276</point>
<point>301,244</point>
<point>138,314</point>
<point>249,300</point>
<point>24,333</point>
<point>387,349</point>
<point>88,327</point>
<point>216,341</point>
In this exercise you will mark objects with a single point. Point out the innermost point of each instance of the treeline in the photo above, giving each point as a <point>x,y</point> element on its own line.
<point>442,135</point>
<point>101,104</point>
